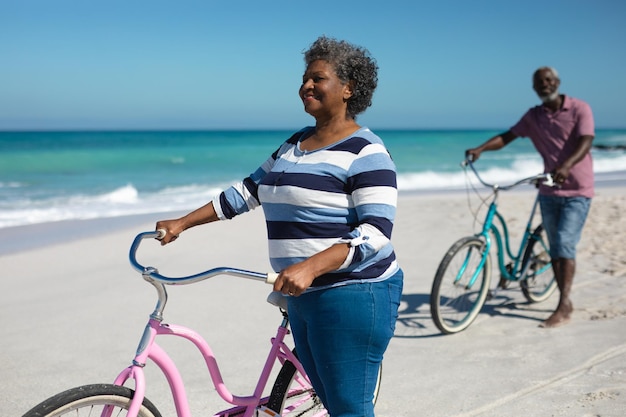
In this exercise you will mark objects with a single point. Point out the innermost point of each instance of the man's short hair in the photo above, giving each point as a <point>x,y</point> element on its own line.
<point>551,69</point>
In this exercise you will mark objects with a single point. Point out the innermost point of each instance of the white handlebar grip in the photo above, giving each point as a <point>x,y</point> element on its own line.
<point>161,234</point>
<point>271,278</point>
<point>549,181</point>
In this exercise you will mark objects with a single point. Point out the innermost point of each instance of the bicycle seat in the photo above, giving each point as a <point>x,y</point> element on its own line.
<point>278,299</point>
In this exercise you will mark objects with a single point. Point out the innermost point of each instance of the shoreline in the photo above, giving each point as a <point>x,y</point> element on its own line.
<point>33,236</point>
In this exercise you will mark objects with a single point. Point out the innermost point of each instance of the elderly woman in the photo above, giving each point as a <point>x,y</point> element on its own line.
<point>329,198</point>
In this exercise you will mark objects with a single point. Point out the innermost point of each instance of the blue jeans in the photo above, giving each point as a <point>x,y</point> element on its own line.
<point>563,219</point>
<point>341,334</point>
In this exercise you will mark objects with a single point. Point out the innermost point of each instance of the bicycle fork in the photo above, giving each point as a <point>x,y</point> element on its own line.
<point>479,268</point>
<point>484,251</point>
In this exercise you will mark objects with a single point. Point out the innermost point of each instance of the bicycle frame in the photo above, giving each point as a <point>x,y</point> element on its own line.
<point>149,349</point>
<point>502,238</point>
<point>503,242</point>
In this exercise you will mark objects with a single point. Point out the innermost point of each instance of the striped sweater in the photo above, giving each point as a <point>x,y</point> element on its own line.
<point>344,193</point>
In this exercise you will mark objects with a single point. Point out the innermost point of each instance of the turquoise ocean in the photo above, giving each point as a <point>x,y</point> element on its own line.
<point>54,176</point>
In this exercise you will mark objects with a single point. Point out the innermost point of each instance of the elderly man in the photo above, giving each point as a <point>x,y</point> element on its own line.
<point>562,130</point>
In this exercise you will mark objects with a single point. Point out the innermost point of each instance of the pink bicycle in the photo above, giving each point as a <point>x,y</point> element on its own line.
<point>291,394</point>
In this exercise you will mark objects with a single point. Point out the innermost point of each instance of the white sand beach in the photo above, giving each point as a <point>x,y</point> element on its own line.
<point>73,310</point>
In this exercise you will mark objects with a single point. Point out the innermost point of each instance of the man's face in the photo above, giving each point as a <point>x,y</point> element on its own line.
<point>546,85</point>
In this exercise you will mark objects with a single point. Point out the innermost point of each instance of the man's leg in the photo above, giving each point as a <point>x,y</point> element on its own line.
<point>563,219</point>
<point>564,270</point>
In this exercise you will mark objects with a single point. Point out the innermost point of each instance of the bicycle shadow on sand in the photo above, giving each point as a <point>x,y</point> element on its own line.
<point>508,303</point>
<point>415,320</point>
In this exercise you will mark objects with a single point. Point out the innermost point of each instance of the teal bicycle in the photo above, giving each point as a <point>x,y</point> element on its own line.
<point>462,283</point>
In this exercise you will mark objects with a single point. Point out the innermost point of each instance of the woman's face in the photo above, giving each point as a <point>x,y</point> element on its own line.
<point>322,92</point>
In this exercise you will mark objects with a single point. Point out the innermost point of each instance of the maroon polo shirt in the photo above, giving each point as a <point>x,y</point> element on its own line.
<point>555,136</point>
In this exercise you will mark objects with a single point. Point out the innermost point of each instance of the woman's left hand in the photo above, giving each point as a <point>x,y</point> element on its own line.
<point>294,280</point>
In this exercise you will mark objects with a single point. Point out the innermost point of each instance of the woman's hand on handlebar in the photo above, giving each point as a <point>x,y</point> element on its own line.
<point>294,279</point>
<point>172,229</point>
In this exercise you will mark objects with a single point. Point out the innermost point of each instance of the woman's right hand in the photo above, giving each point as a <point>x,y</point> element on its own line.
<point>172,230</point>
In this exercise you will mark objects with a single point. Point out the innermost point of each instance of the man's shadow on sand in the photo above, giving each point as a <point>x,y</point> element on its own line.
<point>415,320</point>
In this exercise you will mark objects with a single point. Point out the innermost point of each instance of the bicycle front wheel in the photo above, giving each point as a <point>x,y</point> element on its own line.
<point>292,395</point>
<point>538,282</point>
<point>461,285</point>
<point>92,400</point>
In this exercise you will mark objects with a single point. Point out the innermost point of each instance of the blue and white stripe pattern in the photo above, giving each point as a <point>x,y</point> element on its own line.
<point>345,192</point>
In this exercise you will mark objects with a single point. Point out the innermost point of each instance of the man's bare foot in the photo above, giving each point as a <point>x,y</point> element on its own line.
<point>555,320</point>
<point>561,316</point>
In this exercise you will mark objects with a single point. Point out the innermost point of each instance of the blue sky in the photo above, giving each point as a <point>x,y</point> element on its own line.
<point>157,64</point>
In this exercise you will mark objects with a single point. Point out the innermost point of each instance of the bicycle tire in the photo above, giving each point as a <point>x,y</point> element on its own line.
<point>90,400</point>
<point>292,396</point>
<point>539,282</point>
<point>453,306</point>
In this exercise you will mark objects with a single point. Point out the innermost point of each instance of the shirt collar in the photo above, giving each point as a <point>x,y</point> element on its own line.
<point>565,106</point>
<point>567,103</point>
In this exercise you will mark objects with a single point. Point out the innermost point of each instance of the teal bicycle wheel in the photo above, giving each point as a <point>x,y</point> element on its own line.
<point>455,301</point>
<point>537,281</point>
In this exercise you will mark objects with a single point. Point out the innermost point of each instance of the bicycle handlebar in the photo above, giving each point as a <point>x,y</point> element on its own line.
<point>153,274</point>
<point>545,179</point>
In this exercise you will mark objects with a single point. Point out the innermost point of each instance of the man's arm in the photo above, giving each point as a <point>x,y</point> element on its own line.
<point>493,144</point>
<point>584,146</point>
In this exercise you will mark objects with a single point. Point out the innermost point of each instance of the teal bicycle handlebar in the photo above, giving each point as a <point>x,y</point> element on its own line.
<point>545,179</point>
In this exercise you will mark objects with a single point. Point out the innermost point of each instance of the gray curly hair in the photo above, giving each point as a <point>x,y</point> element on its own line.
<point>553,70</point>
<point>352,64</point>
